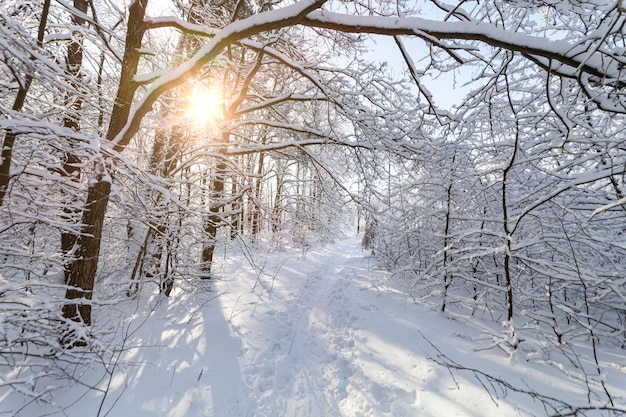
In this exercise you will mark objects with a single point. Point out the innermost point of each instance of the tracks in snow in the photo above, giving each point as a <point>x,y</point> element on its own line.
<point>307,368</point>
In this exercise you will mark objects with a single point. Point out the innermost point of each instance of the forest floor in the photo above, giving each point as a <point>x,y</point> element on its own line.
<point>318,333</point>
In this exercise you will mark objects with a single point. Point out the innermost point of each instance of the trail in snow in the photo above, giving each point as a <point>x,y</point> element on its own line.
<point>306,369</point>
<point>326,342</point>
<point>315,334</point>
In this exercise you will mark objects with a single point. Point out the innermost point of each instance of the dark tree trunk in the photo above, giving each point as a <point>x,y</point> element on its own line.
<point>82,270</point>
<point>256,208</point>
<point>277,210</point>
<point>70,168</point>
<point>508,279</point>
<point>447,278</point>
<point>235,206</point>
<point>165,157</point>
<point>81,276</point>
<point>214,219</point>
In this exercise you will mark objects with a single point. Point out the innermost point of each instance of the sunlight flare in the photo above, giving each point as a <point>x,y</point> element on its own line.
<point>204,105</point>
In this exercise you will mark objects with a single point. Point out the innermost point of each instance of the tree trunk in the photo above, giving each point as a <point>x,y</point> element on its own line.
<point>447,278</point>
<point>70,120</point>
<point>82,270</point>
<point>235,205</point>
<point>165,157</point>
<point>508,280</point>
<point>214,219</point>
<point>277,209</point>
<point>255,206</point>
<point>81,276</point>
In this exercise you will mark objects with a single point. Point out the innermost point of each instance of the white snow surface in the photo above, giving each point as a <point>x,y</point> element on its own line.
<point>317,333</point>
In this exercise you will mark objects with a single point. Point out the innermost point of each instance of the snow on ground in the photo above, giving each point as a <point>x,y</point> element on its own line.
<point>315,333</point>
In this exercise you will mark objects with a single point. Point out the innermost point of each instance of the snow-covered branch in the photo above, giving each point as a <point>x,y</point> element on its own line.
<point>274,19</point>
<point>574,56</point>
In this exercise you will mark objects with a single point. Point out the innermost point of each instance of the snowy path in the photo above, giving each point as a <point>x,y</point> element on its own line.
<point>325,342</point>
<point>301,372</point>
<point>306,369</point>
<point>306,335</point>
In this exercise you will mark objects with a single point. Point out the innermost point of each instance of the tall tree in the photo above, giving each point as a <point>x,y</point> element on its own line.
<point>82,271</point>
<point>71,120</point>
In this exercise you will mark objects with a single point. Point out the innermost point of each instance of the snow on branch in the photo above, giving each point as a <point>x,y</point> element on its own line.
<point>261,22</point>
<point>607,207</point>
<point>182,25</point>
<point>573,55</point>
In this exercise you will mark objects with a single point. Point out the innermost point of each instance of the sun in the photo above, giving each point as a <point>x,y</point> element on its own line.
<point>204,105</point>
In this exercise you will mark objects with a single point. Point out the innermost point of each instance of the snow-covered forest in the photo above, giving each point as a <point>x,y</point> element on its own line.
<point>171,153</point>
